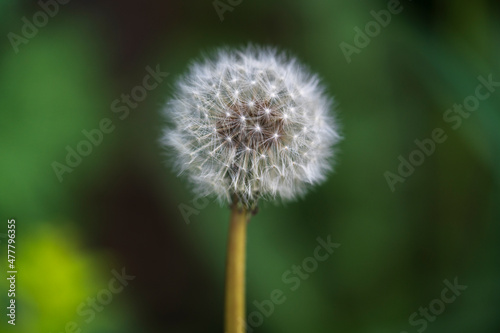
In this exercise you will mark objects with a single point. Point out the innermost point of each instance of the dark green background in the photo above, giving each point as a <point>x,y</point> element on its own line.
<point>121,206</point>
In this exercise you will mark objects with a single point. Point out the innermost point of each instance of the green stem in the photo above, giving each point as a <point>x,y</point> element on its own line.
<point>235,270</point>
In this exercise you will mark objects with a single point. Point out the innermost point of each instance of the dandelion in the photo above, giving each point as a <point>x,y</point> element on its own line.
<point>249,124</point>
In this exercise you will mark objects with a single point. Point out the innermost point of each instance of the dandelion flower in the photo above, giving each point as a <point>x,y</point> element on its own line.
<point>251,123</point>
<point>248,124</point>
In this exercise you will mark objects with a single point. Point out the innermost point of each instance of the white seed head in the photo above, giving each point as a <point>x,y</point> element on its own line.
<point>251,123</point>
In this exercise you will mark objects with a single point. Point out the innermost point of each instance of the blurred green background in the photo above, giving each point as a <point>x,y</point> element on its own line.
<point>121,206</point>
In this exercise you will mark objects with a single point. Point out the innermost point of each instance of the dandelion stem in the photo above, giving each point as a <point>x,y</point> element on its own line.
<point>235,270</point>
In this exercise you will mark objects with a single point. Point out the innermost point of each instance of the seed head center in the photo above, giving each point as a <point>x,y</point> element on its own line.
<point>257,125</point>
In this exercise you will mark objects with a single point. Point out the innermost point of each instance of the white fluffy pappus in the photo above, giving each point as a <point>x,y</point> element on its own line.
<point>251,123</point>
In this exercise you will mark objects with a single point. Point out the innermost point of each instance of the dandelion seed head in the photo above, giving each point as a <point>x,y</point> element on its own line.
<point>251,123</point>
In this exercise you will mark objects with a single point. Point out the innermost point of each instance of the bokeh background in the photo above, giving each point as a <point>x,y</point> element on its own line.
<point>121,207</point>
